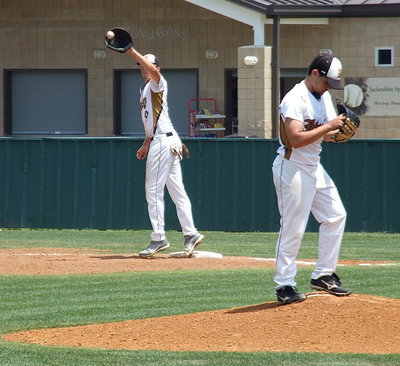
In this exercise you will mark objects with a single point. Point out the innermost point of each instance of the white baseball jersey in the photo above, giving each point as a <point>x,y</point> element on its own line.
<point>301,105</point>
<point>154,108</point>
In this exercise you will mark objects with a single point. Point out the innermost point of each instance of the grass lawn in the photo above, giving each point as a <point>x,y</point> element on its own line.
<point>29,302</point>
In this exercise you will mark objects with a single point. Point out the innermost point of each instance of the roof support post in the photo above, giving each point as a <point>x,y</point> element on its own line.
<point>275,93</point>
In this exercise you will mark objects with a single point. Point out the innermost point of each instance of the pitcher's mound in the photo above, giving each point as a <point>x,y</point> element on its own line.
<point>322,323</point>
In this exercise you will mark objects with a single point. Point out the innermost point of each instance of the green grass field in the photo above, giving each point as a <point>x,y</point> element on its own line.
<point>29,302</point>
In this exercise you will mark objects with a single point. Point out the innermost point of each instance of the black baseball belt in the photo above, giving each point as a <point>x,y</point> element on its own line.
<point>165,133</point>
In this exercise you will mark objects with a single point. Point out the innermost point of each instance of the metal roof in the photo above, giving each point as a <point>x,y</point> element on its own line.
<point>370,2</point>
<point>262,5</point>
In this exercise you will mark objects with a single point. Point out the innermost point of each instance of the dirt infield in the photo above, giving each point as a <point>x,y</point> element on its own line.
<point>322,323</point>
<point>60,261</point>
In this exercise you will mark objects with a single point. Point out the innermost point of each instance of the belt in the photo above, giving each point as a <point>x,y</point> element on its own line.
<point>165,133</point>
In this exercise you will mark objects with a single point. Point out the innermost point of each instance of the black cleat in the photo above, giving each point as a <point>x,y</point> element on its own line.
<point>330,284</point>
<point>288,295</point>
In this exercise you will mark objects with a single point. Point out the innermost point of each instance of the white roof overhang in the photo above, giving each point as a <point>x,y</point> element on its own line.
<point>253,18</point>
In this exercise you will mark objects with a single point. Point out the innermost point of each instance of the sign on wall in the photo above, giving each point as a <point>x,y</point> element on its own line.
<point>158,33</point>
<point>373,96</point>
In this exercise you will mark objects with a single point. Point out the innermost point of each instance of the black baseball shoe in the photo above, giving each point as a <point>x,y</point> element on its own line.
<point>330,284</point>
<point>288,295</point>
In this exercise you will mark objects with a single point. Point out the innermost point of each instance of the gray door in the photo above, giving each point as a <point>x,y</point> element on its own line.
<point>47,102</point>
<point>182,85</point>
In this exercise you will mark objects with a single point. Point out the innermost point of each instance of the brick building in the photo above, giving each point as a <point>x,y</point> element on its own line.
<point>59,79</point>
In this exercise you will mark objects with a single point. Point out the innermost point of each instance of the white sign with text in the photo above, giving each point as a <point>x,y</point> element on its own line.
<point>382,97</point>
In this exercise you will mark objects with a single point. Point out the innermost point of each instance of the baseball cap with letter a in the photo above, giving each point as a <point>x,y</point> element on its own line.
<point>330,67</point>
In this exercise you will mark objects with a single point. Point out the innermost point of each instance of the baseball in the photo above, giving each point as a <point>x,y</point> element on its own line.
<point>353,95</point>
<point>110,35</point>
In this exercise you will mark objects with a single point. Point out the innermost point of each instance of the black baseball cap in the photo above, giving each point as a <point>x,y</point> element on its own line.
<point>330,67</point>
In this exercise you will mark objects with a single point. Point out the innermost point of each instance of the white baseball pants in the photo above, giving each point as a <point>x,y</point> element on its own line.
<point>302,189</point>
<point>163,168</point>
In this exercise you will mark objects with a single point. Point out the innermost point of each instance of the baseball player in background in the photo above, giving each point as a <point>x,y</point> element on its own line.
<point>163,149</point>
<point>302,185</point>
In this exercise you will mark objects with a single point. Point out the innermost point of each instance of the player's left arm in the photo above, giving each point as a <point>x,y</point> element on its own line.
<point>150,68</point>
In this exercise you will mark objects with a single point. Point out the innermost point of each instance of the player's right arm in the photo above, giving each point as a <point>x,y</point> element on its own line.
<point>143,150</point>
<point>298,137</point>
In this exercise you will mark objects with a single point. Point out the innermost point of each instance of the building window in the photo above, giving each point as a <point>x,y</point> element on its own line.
<point>45,102</point>
<point>383,56</point>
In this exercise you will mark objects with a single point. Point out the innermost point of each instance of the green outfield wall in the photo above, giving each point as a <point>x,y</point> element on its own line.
<point>98,183</point>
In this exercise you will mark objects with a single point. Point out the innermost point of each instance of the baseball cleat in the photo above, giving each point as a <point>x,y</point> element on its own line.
<point>153,248</point>
<point>288,295</point>
<point>330,284</point>
<point>191,242</point>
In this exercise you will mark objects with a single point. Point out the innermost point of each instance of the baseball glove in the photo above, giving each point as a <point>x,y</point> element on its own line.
<point>351,123</point>
<point>121,42</point>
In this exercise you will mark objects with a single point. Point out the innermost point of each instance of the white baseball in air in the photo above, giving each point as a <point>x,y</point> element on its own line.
<point>353,95</point>
<point>110,35</point>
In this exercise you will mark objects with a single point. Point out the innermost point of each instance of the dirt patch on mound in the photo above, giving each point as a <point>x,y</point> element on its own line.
<point>322,323</point>
<point>59,261</point>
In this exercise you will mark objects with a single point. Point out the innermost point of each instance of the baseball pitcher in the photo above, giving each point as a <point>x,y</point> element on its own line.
<point>302,185</point>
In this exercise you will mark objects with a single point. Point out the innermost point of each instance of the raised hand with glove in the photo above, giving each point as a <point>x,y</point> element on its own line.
<point>118,39</point>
